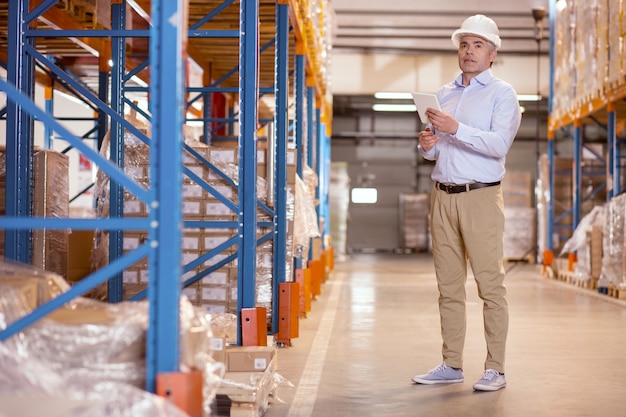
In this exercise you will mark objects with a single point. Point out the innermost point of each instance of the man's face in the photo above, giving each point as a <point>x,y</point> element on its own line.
<point>475,54</point>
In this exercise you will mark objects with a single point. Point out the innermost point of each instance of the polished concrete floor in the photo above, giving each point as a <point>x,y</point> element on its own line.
<point>376,324</point>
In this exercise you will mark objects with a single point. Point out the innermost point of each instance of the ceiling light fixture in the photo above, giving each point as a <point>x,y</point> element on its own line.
<point>528,97</point>
<point>386,95</point>
<point>394,107</point>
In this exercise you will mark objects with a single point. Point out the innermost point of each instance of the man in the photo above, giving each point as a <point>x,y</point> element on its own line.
<point>469,139</point>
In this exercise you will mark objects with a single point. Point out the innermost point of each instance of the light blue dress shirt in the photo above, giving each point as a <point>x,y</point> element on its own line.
<point>489,116</point>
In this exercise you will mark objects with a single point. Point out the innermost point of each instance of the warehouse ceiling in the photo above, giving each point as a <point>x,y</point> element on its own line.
<point>418,27</point>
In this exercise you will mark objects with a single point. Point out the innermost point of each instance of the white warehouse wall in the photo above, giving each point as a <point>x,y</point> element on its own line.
<point>367,74</point>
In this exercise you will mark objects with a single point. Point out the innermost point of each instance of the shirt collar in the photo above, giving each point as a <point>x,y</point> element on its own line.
<point>483,78</point>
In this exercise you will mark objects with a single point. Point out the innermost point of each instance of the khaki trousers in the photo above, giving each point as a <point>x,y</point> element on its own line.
<point>470,226</point>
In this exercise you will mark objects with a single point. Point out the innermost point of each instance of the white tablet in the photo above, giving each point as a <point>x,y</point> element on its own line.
<point>424,101</point>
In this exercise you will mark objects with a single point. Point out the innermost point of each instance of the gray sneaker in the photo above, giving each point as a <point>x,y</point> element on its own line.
<point>442,374</point>
<point>491,381</point>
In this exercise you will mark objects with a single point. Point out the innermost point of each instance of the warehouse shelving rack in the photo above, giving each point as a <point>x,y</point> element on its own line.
<point>163,195</point>
<point>601,108</point>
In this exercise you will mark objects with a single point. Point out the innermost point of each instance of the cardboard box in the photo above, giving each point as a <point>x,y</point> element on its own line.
<point>249,358</point>
<point>51,199</point>
<point>79,254</point>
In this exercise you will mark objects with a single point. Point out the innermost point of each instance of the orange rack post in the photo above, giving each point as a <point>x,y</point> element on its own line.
<point>254,326</point>
<point>288,308</point>
<point>183,389</point>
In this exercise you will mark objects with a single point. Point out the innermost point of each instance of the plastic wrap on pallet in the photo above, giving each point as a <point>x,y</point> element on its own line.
<point>26,381</point>
<point>579,243</point>
<point>414,227</point>
<point>224,325</point>
<point>86,341</point>
<point>613,242</point>
<point>305,219</point>
<point>36,285</point>
<point>339,199</point>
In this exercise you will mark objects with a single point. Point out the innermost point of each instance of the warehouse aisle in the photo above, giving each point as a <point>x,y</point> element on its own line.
<point>376,325</point>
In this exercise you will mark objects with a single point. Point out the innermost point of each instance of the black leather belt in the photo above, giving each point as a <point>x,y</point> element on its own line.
<point>455,189</point>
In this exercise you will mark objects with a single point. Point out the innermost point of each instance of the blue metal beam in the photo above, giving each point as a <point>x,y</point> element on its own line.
<point>577,202</point>
<point>248,104</point>
<point>299,97</point>
<point>168,36</point>
<point>311,157</point>
<point>281,120</point>
<point>550,208</point>
<point>613,163</point>
<point>116,146</point>
<point>19,139</point>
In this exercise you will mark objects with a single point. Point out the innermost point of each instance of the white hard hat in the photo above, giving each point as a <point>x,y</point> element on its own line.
<point>478,25</point>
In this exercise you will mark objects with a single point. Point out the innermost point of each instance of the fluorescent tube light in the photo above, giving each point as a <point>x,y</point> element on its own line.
<point>528,97</point>
<point>385,95</point>
<point>394,107</point>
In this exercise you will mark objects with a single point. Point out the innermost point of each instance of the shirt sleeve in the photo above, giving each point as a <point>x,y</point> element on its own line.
<point>429,155</point>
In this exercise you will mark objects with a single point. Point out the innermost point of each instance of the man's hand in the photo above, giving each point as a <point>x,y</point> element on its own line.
<point>442,121</point>
<point>427,139</point>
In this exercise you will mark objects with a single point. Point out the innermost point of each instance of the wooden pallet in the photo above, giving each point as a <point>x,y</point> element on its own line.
<point>590,283</point>
<point>616,292</point>
<point>565,276</point>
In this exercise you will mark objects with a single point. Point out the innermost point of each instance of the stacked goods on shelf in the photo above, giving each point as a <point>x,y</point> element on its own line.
<point>519,215</point>
<point>414,228</point>
<point>586,242</point>
<point>339,200</point>
<point>592,193</point>
<point>616,24</point>
<point>50,198</point>
<point>248,382</point>
<point>588,52</point>
<point>217,291</point>
<point>613,260</point>
<point>305,217</point>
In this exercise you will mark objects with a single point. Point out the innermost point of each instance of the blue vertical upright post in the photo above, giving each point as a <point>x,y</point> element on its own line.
<point>248,104</point>
<point>103,94</point>
<point>550,208</point>
<point>116,147</point>
<point>318,146</point>
<point>319,170</point>
<point>19,140</point>
<point>310,128</point>
<point>49,106</point>
<point>167,36</point>
<point>281,120</point>
<point>577,170</point>
<point>612,141</point>
<point>311,147</point>
<point>326,181</point>
<point>206,114</point>
<point>299,91</point>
